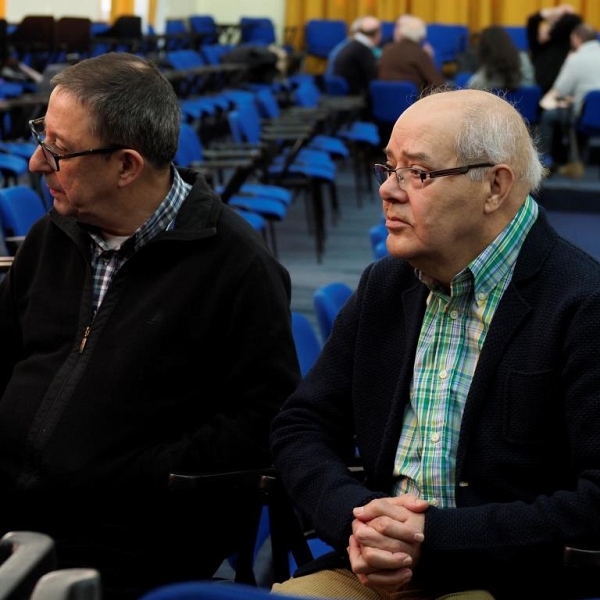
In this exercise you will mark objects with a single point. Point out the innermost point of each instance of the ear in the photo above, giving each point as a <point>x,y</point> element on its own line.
<point>501,181</point>
<point>131,166</point>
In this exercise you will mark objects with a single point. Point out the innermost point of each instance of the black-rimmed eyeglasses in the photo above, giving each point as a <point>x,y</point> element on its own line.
<point>52,158</point>
<point>416,177</point>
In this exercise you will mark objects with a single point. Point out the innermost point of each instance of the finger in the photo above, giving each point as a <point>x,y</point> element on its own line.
<point>392,580</point>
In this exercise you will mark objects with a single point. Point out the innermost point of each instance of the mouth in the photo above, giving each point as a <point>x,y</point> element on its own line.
<point>395,223</point>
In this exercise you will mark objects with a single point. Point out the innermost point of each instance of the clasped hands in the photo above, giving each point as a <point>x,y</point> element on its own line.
<point>386,539</point>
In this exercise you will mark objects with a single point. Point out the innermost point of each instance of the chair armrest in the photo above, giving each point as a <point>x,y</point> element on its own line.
<point>223,481</point>
<point>581,557</point>
<point>24,557</point>
<point>287,533</point>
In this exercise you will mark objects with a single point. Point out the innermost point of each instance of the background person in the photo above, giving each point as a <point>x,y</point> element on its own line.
<point>146,329</point>
<point>408,57</point>
<point>562,104</point>
<point>356,60</point>
<point>548,37</point>
<point>501,65</point>
<point>461,372</point>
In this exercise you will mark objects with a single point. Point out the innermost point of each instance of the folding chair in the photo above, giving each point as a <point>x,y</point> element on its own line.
<point>271,205</point>
<point>328,299</point>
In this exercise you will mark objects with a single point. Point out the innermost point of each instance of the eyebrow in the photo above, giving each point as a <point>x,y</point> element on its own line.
<point>412,156</point>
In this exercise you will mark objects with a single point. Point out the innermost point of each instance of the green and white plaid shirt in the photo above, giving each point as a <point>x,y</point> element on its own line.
<point>452,336</point>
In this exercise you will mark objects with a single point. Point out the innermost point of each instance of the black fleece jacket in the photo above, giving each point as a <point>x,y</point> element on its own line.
<point>187,360</point>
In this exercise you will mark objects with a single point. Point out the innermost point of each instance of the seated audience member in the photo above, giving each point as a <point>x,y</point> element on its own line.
<point>548,38</point>
<point>356,60</point>
<point>501,64</point>
<point>354,27</point>
<point>461,372</point>
<point>562,104</point>
<point>409,57</point>
<point>146,329</point>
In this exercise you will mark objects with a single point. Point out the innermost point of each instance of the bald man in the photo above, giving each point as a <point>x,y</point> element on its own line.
<point>464,373</point>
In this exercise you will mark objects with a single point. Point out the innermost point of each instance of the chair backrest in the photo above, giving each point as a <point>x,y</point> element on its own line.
<point>461,79</point>
<point>321,35</point>
<point>257,30</point>
<point>589,120</point>
<point>518,34</point>
<point>526,99</point>
<point>308,345</point>
<point>389,99</point>
<point>244,123</point>
<point>447,40</point>
<point>177,35</point>
<point>387,32</point>
<point>126,27</point>
<point>20,208</point>
<point>184,58</point>
<point>335,85</point>
<point>205,28</point>
<point>24,557</point>
<point>74,34</point>
<point>328,299</point>
<point>189,149</point>
<point>69,584</point>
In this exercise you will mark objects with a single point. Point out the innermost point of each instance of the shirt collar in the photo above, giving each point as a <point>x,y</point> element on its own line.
<point>498,258</point>
<point>162,219</point>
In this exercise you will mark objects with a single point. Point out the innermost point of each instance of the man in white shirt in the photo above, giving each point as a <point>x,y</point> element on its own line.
<point>562,105</point>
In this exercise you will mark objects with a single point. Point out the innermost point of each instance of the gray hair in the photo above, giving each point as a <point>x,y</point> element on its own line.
<point>129,101</point>
<point>411,28</point>
<point>488,135</point>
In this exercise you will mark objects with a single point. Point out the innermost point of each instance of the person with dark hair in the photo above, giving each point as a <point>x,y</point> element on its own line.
<point>146,329</point>
<point>501,65</point>
<point>548,36</point>
<point>461,375</point>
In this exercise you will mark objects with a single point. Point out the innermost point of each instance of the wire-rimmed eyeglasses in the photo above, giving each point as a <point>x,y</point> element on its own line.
<point>416,177</point>
<point>52,158</point>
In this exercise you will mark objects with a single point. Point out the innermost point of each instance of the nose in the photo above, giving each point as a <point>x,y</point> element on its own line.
<point>391,192</point>
<point>38,162</point>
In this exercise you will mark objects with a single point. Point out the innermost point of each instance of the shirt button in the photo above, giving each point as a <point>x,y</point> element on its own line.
<point>435,438</point>
<point>443,374</point>
<point>454,314</point>
<point>481,295</point>
<point>434,502</point>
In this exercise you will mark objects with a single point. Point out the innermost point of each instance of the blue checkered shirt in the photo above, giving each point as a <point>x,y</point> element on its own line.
<point>107,261</point>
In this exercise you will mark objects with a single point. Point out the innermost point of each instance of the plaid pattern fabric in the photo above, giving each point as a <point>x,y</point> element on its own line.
<point>452,335</point>
<point>106,260</point>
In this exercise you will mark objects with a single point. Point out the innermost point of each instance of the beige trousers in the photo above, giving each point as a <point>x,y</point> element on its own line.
<point>342,583</point>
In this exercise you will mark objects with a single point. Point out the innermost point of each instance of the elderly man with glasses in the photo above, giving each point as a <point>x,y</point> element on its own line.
<point>463,372</point>
<point>146,329</point>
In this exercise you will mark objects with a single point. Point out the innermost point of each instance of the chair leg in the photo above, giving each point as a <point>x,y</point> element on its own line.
<point>318,214</point>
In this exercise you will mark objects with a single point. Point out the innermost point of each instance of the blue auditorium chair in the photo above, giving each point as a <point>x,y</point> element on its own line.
<point>321,35</point>
<point>308,345</point>
<point>20,207</point>
<point>328,299</point>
